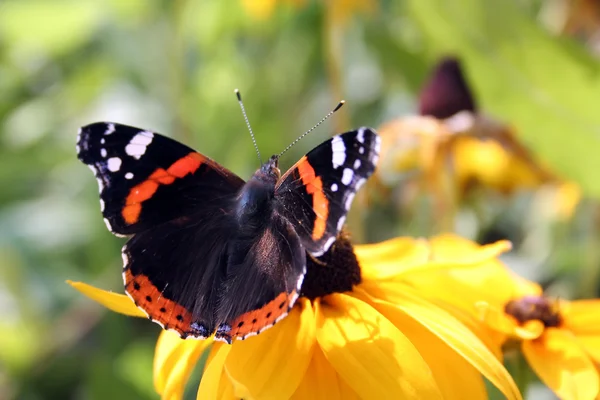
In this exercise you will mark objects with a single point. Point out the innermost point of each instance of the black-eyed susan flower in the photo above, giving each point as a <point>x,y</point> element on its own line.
<point>560,339</point>
<point>342,339</point>
<point>452,147</point>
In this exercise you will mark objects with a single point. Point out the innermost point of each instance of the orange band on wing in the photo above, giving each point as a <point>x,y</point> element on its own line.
<point>254,321</point>
<point>147,296</point>
<point>314,186</point>
<point>143,191</point>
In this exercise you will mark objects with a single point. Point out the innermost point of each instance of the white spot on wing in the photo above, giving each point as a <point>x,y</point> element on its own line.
<point>340,224</point>
<point>349,199</point>
<point>129,175</point>
<point>101,205</point>
<point>282,316</point>
<point>361,150</point>
<point>357,164</point>
<point>375,151</point>
<point>77,149</point>
<point>334,187</point>
<point>329,242</point>
<point>125,258</point>
<point>360,136</point>
<point>359,184</point>
<point>347,176</point>
<point>108,224</point>
<point>102,141</point>
<point>138,144</point>
<point>374,159</point>
<point>114,164</point>
<point>103,152</point>
<point>110,128</point>
<point>339,151</point>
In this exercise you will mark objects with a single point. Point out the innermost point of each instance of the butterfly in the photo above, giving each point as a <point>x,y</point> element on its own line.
<point>208,253</point>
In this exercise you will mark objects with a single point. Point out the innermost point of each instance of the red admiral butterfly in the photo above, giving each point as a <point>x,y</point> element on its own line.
<point>209,253</point>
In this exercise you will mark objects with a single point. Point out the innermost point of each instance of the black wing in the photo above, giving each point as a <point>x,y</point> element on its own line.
<point>178,206</point>
<point>264,278</point>
<point>146,179</point>
<point>317,192</point>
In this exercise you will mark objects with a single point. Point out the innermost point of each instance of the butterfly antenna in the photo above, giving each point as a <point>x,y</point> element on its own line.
<point>340,104</point>
<point>239,97</point>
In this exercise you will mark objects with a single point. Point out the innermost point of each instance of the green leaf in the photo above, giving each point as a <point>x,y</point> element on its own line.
<point>547,87</point>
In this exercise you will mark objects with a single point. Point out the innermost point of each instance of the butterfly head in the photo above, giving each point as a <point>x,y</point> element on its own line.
<point>269,171</point>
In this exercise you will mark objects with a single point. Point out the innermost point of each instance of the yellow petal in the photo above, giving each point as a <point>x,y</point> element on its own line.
<point>226,391</point>
<point>563,365</point>
<point>591,344</point>
<point>272,364</point>
<point>228,388</point>
<point>374,358</point>
<point>496,319</point>
<point>455,376</point>
<point>450,248</point>
<point>166,344</point>
<point>581,316</point>
<point>210,385</point>
<point>457,337</point>
<point>530,330</point>
<point>397,258</point>
<point>395,292</point>
<point>113,301</point>
<point>321,382</point>
<point>239,390</point>
<point>174,360</point>
<point>391,257</point>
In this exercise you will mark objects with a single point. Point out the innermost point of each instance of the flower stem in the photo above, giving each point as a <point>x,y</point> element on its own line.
<point>519,370</point>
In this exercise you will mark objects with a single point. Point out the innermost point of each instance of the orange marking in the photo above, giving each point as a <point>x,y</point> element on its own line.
<point>254,321</point>
<point>143,191</point>
<point>186,165</point>
<point>314,186</point>
<point>150,299</point>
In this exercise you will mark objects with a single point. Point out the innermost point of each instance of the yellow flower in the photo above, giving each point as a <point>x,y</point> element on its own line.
<point>263,9</point>
<point>560,339</point>
<point>453,148</point>
<point>343,339</point>
<point>339,10</point>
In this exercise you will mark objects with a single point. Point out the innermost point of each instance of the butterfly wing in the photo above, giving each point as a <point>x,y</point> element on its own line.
<point>264,278</point>
<point>317,192</point>
<point>175,271</point>
<point>146,179</point>
<point>178,206</point>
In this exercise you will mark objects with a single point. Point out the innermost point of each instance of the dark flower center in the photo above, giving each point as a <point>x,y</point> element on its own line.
<point>531,308</point>
<point>336,271</point>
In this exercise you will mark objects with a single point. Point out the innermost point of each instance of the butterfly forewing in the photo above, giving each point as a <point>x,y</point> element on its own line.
<point>318,190</point>
<point>146,179</point>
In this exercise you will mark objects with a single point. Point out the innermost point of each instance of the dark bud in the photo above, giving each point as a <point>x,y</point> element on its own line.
<point>447,91</point>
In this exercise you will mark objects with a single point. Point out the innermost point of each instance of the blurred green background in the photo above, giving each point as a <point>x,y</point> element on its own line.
<point>171,66</point>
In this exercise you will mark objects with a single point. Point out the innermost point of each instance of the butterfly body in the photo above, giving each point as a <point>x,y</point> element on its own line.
<point>207,252</point>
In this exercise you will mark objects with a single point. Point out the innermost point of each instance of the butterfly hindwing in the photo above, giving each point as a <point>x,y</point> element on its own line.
<point>264,278</point>
<point>146,179</point>
<point>317,192</point>
<point>175,271</point>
